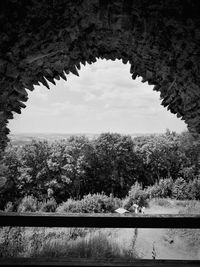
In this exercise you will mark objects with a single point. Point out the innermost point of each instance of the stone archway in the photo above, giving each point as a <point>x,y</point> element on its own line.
<point>42,39</point>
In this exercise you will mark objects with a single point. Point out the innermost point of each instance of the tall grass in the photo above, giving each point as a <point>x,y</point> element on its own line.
<point>94,246</point>
<point>163,202</point>
<point>190,237</point>
<point>71,242</point>
<point>188,206</point>
<point>13,241</point>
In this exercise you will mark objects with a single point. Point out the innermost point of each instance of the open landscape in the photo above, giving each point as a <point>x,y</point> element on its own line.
<point>100,174</point>
<point>20,139</point>
<point>108,243</point>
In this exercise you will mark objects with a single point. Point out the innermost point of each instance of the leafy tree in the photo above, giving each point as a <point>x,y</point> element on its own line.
<point>10,165</point>
<point>111,163</point>
<point>162,156</point>
<point>34,169</point>
<point>190,146</point>
<point>116,163</point>
<point>74,165</point>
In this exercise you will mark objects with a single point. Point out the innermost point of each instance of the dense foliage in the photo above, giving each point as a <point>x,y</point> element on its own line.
<point>165,165</point>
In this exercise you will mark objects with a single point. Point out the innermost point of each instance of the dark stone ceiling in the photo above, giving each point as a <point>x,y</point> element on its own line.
<point>42,40</point>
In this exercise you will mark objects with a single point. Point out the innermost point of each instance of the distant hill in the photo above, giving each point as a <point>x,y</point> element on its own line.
<point>25,138</point>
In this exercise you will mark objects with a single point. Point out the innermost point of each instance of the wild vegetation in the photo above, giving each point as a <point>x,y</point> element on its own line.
<point>71,242</point>
<point>50,173</point>
<point>93,243</point>
<point>79,175</point>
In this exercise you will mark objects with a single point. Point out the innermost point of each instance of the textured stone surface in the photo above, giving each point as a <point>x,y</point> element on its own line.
<point>42,39</point>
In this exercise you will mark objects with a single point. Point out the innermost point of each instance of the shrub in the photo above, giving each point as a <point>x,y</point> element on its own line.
<point>70,205</point>
<point>48,205</point>
<point>136,195</point>
<point>91,204</point>
<point>190,190</point>
<point>195,188</point>
<point>153,191</point>
<point>179,189</point>
<point>162,189</point>
<point>9,207</point>
<point>99,203</point>
<point>127,203</point>
<point>28,204</point>
<point>187,190</point>
<point>166,187</point>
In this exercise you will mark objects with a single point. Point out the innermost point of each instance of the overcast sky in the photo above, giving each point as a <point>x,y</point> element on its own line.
<point>104,98</point>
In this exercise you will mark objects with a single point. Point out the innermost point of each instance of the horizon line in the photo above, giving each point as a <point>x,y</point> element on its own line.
<point>128,133</point>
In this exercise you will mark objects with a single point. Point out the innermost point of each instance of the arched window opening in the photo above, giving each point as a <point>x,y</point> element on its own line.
<point>104,98</point>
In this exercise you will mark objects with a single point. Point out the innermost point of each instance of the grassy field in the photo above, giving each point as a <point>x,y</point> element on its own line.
<point>95,243</point>
<point>170,243</point>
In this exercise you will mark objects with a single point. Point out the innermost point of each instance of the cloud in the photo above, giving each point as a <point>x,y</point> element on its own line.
<point>38,96</point>
<point>103,98</point>
<point>66,108</point>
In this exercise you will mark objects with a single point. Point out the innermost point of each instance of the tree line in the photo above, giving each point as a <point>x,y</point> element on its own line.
<point>110,163</point>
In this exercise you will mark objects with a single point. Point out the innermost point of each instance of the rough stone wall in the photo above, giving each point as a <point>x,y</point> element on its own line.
<point>42,39</point>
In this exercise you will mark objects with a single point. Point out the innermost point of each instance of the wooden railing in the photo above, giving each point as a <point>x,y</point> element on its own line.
<point>98,221</point>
